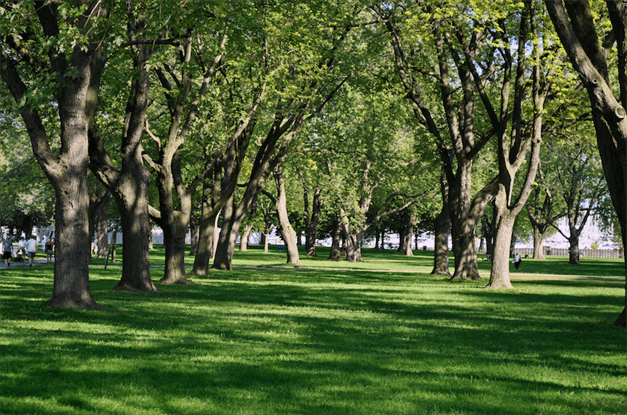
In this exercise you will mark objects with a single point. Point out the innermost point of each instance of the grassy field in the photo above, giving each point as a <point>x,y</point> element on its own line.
<point>326,339</point>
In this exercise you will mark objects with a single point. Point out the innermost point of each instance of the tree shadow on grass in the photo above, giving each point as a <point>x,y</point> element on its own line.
<point>273,343</point>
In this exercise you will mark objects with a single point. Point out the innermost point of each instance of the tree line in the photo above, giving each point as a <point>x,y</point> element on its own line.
<point>198,113</point>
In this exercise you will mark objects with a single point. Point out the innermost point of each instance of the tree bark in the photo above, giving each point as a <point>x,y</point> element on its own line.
<point>287,231</point>
<point>335,254</point>
<point>578,35</point>
<point>442,229</point>
<point>312,219</point>
<point>78,71</point>
<point>194,232</point>
<point>243,243</point>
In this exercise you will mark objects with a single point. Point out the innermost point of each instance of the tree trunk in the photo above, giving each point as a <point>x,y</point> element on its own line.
<point>538,243</point>
<point>76,72</point>
<point>243,243</point>
<point>131,196</point>
<point>335,254</point>
<point>99,222</point>
<point>409,236</point>
<point>311,223</point>
<point>465,213</point>
<point>442,232</point>
<point>174,232</point>
<point>353,246</point>
<point>207,240</point>
<point>287,231</point>
<point>512,244</point>
<point>71,266</point>
<point>499,275</point>
<point>573,250</point>
<point>608,113</point>
<point>149,237</point>
<point>194,231</point>
<point>114,242</point>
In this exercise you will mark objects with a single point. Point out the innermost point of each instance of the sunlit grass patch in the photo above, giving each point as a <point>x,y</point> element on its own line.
<point>271,341</point>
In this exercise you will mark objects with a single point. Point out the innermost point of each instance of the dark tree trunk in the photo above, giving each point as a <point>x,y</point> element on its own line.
<point>114,243</point>
<point>573,249</point>
<point>194,231</point>
<point>98,221</point>
<point>72,241</point>
<point>589,59</point>
<point>132,201</point>
<point>208,227</point>
<point>311,222</point>
<point>442,228</point>
<point>207,240</point>
<point>335,254</point>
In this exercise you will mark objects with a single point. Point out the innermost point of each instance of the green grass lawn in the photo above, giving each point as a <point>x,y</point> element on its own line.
<point>326,340</point>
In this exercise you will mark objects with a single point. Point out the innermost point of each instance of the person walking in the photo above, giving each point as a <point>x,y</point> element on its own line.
<point>21,246</point>
<point>517,260</point>
<point>31,249</point>
<point>7,250</point>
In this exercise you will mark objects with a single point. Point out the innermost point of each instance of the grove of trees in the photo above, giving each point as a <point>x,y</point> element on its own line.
<point>346,119</point>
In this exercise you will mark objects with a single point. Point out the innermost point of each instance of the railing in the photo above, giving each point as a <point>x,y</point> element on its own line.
<point>593,253</point>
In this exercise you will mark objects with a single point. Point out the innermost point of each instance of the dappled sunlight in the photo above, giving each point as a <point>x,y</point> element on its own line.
<point>276,341</point>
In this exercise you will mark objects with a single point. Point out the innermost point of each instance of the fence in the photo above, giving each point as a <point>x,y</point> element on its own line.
<point>593,253</point>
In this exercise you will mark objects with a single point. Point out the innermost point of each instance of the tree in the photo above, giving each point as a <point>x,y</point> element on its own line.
<point>576,28</point>
<point>51,63</point>
<point>414,44</point>
<point>582,187</point>
<point>303,80</point>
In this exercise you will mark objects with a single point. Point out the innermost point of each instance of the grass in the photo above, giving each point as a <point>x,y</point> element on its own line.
<point>320,341</point>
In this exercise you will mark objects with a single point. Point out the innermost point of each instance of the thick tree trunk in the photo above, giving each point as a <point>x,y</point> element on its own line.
<point>174,234</point>
<point>287,231</point>
<point>353,246</point>
<point>207,240</point>
<point>71,266</point>
<point>573,250</point>
<point>499,275</point>
<point>226,244</point>
<point>132,200</point>
<point>335,254</point>
<point>608,113</point>
<point>465,213</point>
<point>466,267</point>
<point>538,243</point>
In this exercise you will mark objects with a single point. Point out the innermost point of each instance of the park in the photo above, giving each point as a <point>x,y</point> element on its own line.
<point>392,160</point>
<point>383,336</point>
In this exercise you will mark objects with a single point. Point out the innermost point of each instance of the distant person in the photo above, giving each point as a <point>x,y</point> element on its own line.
<point>21,245</point>
<point>7,250</point>
<point>48,250</point>
<point>517,261</point>
<point>31,249</point>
